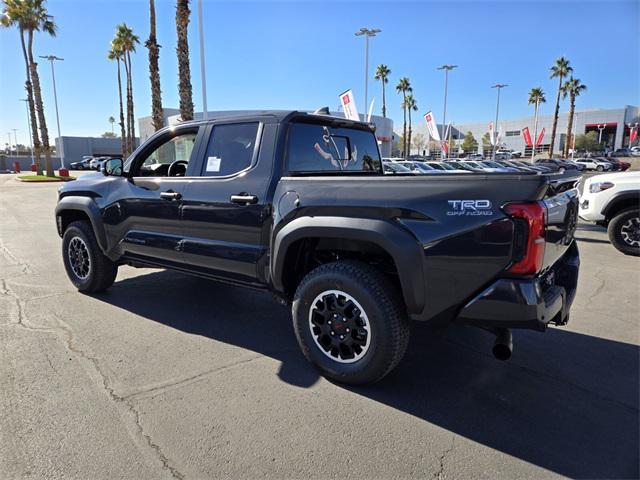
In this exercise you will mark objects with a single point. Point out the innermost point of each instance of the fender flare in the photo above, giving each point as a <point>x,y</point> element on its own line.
<point>620,196</point>
<point>403,247</point>
<point>88,207</point>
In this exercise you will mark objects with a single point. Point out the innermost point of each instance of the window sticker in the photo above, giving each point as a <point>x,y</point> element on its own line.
<point>213,164</point>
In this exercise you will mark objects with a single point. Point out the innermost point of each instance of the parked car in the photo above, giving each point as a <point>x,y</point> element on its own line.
<point>613,201</point>
<point>297,204</point>
<point>559,165</point>
<point>83,164</point>
<point>594,164</point>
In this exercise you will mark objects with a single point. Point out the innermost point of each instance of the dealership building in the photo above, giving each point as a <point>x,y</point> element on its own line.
<point>611,125</point>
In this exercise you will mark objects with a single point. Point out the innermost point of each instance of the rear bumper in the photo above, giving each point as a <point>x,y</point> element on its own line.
<point>527,303</point>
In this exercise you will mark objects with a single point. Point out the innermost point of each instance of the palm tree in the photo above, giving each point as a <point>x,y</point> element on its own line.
<point>536,97</point>
<point>560,69</point>
<point>410,104</point>
<point>32,16</point>
<point>127,42</point>
<point>13,14</point>
<point>111,120</point>
<point>154,69</point>
<point>382,74</point>
<point>572,87</point>
<point>184,71</point>
<point>116,54</point>
<point>404,87</point>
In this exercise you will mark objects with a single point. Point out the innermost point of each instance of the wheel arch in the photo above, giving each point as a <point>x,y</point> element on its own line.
<point>391,239</point>
<point>70,209</point>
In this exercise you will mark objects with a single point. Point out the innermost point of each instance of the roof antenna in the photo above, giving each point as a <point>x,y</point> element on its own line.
<point>322,111</point>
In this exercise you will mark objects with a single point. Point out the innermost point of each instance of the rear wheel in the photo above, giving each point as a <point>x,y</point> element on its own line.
<point>87,268</point>
<point>350,322</point>
<point>624,231</point>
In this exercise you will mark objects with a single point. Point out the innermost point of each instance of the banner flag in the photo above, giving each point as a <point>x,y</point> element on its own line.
<point>431,125</point>
<point>349,106</point>
<point>527,137</point>
<point>540,137</point>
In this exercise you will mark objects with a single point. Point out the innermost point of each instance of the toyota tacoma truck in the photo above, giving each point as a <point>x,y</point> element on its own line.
<point>297,204</point>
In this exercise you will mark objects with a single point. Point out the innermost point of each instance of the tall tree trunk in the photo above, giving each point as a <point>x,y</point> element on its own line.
<point>122,132</point>
<point>182,49</point>
<point>132,117</point>
<point>555,120</point>
<point>35,138</point>
<point>572,107</point>
<point>37,93</point>
<point>154,70</point>
<point>384,101</point>
<point>404,125</point>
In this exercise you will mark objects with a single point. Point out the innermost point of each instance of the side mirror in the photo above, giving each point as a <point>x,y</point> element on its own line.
<point>113,167</point>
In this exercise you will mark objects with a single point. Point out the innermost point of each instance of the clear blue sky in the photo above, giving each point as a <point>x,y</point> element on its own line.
<point>303,54</point>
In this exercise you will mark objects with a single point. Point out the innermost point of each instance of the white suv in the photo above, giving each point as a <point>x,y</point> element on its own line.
<point>613,201</point>
<point>594,164</point>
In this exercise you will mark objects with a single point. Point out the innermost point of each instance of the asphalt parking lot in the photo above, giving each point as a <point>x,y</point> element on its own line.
<point>171,376</point>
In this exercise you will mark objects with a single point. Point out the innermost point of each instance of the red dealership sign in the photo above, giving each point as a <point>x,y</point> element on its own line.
<point>527,136</point>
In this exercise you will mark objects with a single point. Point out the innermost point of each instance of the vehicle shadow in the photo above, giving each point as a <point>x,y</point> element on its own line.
<point>566,402</point>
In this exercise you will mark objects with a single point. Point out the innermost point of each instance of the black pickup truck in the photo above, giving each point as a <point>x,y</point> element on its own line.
<point>297,203</point>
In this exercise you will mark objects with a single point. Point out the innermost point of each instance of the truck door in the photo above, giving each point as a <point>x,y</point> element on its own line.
<point>226,209</point>
<point>148,210</point>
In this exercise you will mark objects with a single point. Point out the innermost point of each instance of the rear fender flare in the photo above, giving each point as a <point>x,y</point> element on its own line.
<point>403,247</point>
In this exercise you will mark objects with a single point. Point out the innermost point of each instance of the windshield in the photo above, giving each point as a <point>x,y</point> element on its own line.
<point>313,147</point>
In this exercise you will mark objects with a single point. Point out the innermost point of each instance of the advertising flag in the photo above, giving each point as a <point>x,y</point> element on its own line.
<point>431,125</point>
<point>492,137</point>
<point>540,137</point>
<point>349,106</point>
<point>527,137</point>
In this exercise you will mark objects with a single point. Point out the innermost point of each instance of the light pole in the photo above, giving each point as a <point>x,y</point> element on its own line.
<point>499,86</point>
<point>26,104</point>
<point>205,113</point>
<point>53,58</point>
<point>446,69</point>
<point>367,32</point>
<point>601,127</point>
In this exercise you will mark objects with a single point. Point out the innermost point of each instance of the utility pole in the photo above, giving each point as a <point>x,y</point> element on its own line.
<point>446,69</point>
<point>367,32</point>
<point>26,104</point>
<point>205,113</point>
<point>499,86</point>
<point>53,58</point>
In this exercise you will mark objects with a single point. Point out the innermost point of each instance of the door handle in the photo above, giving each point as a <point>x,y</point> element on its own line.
<point>170,195</point>
<point>244,199</point>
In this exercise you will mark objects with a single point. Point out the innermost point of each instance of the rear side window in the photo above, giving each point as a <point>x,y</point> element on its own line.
<point>231,149</point>
<point>320,148</point>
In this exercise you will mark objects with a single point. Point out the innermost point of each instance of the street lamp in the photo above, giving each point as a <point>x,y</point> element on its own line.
<point>499,86</point>
<point>367,32</point>
<point>446,69</point>
<point>53,58</point>
<point>26,104</point>
<point>601,127</point>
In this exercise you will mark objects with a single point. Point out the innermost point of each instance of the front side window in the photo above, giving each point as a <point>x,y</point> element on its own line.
<point>169,159</point>
<point>231,149</point>
<point>321,148</point>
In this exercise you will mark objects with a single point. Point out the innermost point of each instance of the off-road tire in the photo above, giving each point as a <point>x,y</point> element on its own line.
<point>101,271</point>
<point>615,231</point>
<point>384,309</point>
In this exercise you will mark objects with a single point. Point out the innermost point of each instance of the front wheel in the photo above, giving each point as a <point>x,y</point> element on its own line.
<point>624,231</point>
<point>87,268</point>
<point>350,322</point>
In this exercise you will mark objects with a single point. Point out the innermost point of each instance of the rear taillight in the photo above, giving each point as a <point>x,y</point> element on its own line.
<point>530,226</point>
